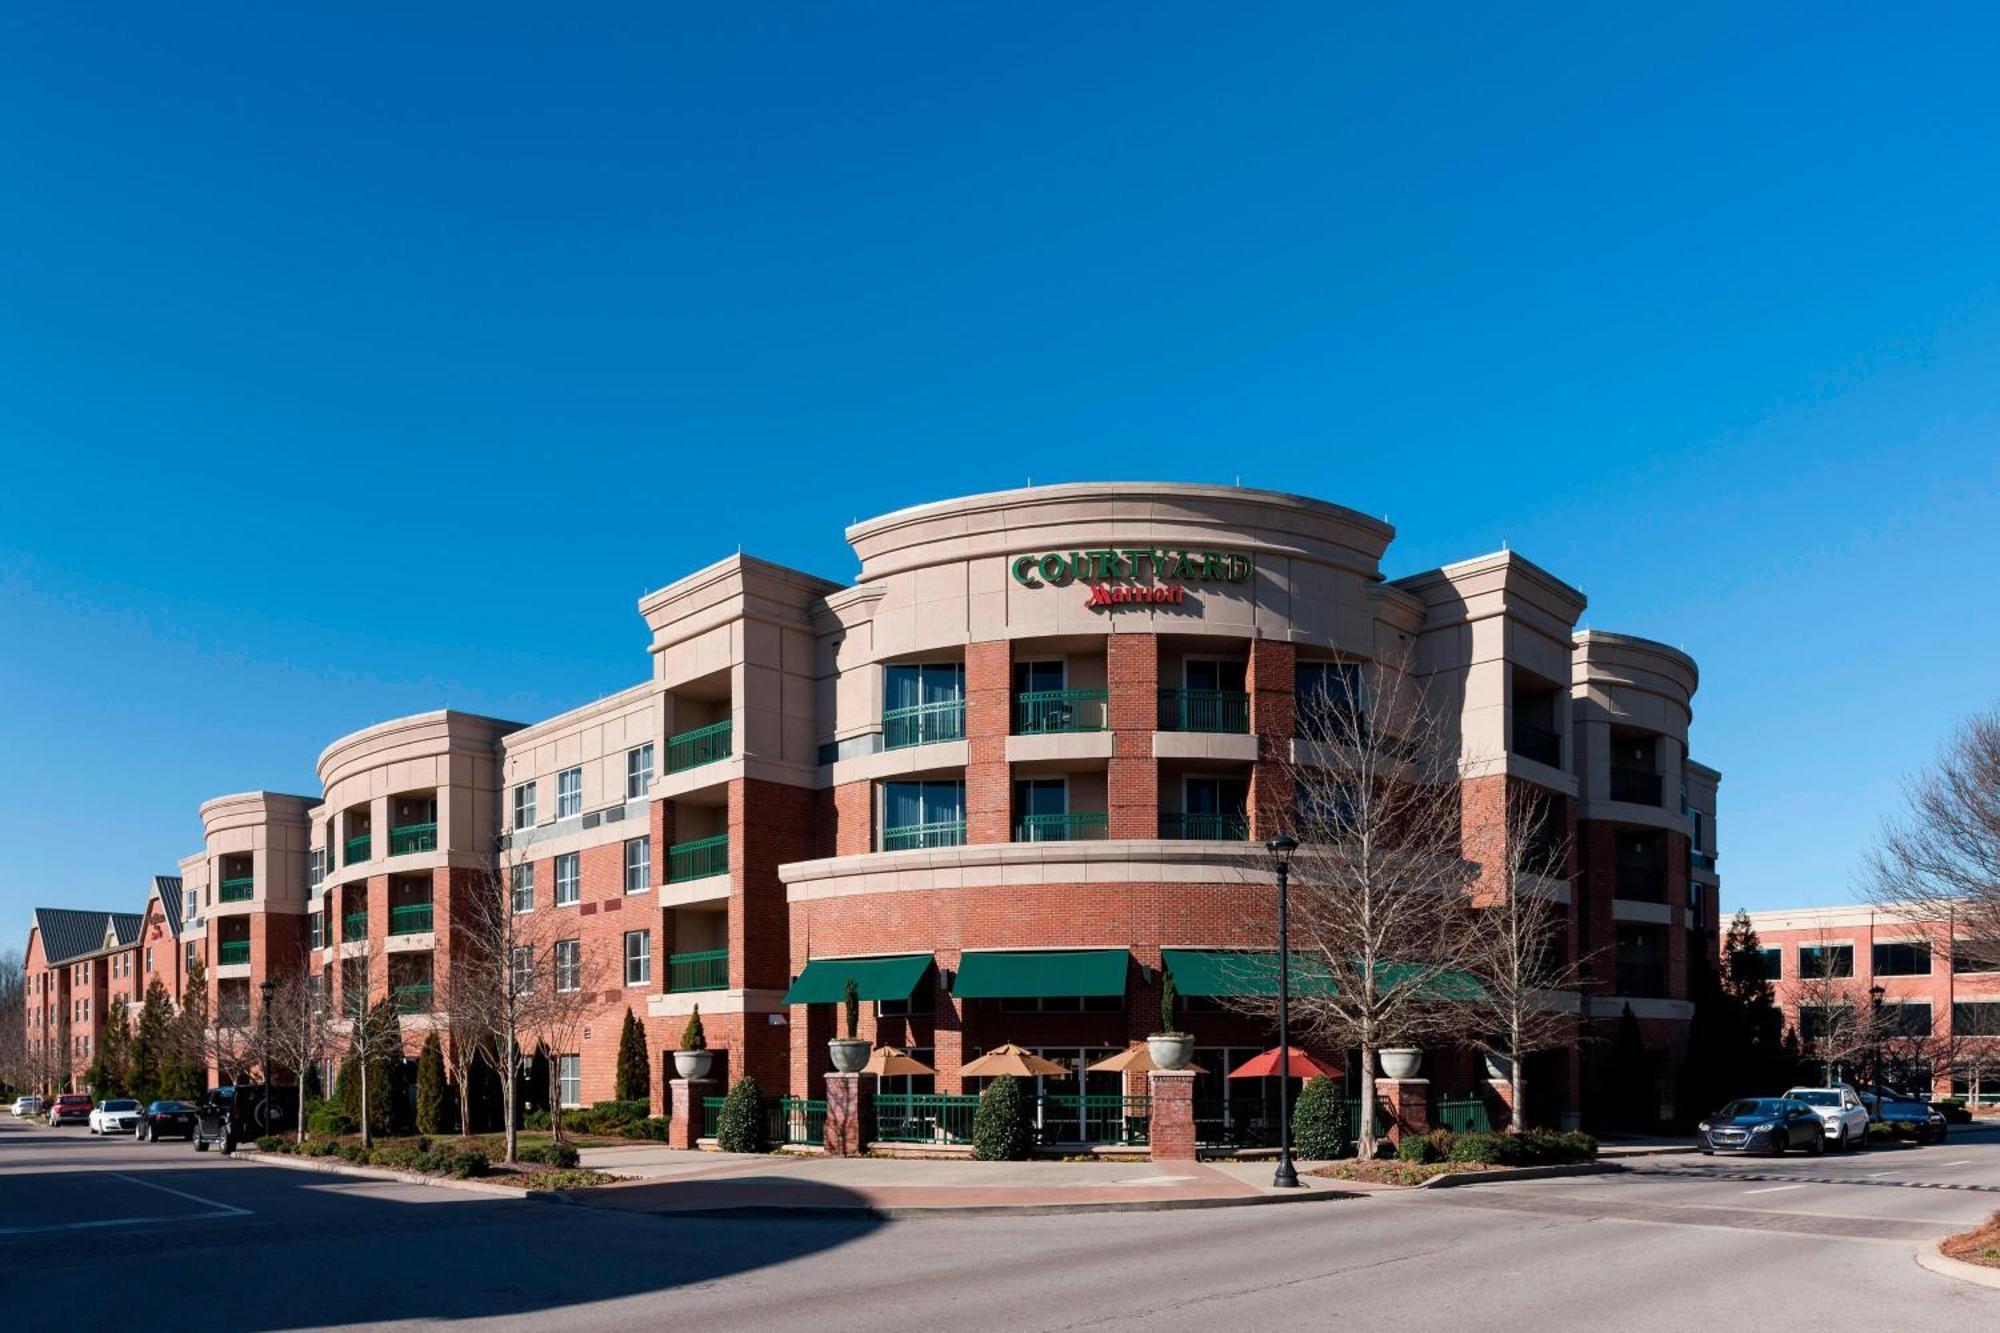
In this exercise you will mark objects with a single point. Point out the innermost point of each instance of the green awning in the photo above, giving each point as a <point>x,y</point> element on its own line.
<point>889,978</point>
<point>1012,976</point>
<point>1255,972</point>
<point>1221,972</point>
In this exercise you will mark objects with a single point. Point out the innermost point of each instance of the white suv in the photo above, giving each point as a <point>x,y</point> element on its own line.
<point>1840,1112</point>
<point>28,1104</point>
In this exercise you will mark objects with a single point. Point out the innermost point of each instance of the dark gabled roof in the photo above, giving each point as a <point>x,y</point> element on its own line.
<point>69,932</point>
<point>125,927</point>
<point>168,887</point>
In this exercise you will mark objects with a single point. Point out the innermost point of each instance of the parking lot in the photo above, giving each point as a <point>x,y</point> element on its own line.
<point>1670,1243</point>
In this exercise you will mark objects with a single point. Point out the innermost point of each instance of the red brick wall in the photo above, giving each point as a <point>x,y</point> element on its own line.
<point>1273,703</point>
<point>1132,669</point>
<point>989,707</point>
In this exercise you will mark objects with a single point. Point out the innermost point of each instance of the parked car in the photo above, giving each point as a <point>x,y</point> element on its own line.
<point>166,1120</point>
<point>229,1115</point>
<point>1907,1117</point>
<point>1841,1114</point>
<point>1762,1125</point>
<point>116,1115</point>
<point>29,1104</point>
<point>71,1108</point>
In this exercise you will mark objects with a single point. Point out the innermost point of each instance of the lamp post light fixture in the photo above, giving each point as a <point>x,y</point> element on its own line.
<point>1281,849</point>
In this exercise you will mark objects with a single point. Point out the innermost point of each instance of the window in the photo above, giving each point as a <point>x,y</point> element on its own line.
<point>316,929</point>
<point>569,879</point>
<point>190,907</point>
<point>569,1077</point>
<point>1976,1018</point>
<point>638,957</point>
<point>638,864</point>
<point>1769,964</point>
<point>569,965</point>
<point>1063,1004</point>
<point>1906,1020</point>
<point>1975,955</point>
<point>902,1008</point>
<point>1828,960</point>
<point>922,814</point>
<point>524,805</point>
<point>149,960</point>
<point>1041,806</point>
<point>521,887</point>
<point>569,793</point>
<point>1039,677</point>
<point>638,772</point>
<point>1327,687</point>
<point>923,703</point>
<point>193,953</point>
<point>521,968</point>
<point>1902,959</point>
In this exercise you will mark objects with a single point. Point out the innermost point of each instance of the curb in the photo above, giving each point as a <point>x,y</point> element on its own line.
<point>1933,1257</point>
<point>334,1166</point>
<point>908,1212</point>
<point>1453,1179</point>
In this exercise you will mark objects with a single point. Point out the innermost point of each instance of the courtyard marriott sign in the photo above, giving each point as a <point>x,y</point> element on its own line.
<point>1134,576</point>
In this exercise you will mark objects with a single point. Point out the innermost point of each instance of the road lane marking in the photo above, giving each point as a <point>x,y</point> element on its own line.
<point>221,1209</point>
<point>1966,1162</point>
<point>1773,1189</point>
<point>1881,1173</point>
<point>121,1222</point>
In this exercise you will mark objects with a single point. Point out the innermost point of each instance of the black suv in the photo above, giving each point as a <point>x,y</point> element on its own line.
<point>230,1115</point>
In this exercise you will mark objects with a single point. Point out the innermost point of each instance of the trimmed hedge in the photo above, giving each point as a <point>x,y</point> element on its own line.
<point>1000,1130</point>
<point>1537,1147</point>
<point>653,1127</point>
<point>1319,1122</point>
<point>562,1155</point>
<point>741,1126</point>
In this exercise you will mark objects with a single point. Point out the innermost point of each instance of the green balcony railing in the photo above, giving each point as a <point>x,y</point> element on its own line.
<point>925,724</point>
<point>413,838</point>
<point>1205,710</point>
<point>1232,826</point>
<point>354,926</point>
<point>703,745</point>
<point>228,952</point>
<point>924,1118</point>
<point>698,859</point>
<point>704,970</point>
<point>237,890</point>
<point>357,850</point>
<point>412,997</point>
<point>1047,712</point>
<point>410,919</point>
<point>908,837</point>
<point>1075,826</point>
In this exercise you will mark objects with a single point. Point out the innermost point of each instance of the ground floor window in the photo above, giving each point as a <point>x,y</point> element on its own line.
<point>569,1079</point>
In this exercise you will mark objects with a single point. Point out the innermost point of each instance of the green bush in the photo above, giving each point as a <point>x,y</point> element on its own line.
<point>354,1153</point>
<point>468,1162</point>
<point>320,1148</point>
<point>741,1126</point>
<point>1425,1148</point>
<point>535,1120</point>
<point>431,1099</point>
<point>551,1154</point>
<point>634,1078</point>
<point>274,1143</point>
<point>1485,1149</point>
<point>1537,1147</point>
<point>692,1037</point>
<point>327,1120</point>
<point>397,1156</point>
<point>653,1127</point>
<point>1578,1146</point>
<point>1319,1122</point>
<point>610,1117</point>
<point>1000,1131</point>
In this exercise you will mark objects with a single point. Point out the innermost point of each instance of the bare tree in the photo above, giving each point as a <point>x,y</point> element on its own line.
<point>14,1064</point>
<point>1380,892</point>
<point>502,963</point>
<point>297,1034</point>
<point>1938,865</point>
<point>1835,1023</point>
<point>368,1034</point>
<point>562,1006</point>
<point>1519,953</point>
<point>466,1036</point>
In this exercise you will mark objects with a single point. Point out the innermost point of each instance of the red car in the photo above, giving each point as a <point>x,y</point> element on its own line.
<point>72,1108</point>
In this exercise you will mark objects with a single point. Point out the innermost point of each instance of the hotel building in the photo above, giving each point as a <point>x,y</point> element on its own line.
<point>1006,777</point>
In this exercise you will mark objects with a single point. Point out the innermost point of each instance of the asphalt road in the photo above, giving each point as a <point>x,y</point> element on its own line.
<point>165,1239</point>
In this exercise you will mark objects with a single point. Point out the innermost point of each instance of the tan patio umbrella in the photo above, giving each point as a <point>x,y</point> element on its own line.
<point>885,1061</point>
<point>1011,1059</point>
<point>1134,1059</point>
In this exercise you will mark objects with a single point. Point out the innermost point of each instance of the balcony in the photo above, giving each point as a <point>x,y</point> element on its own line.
<point>703,745</point>
<point>1645,980</point>
<point>923,724</point>
<point>354,926</point>
<point>237,890</point>
<point>1053,712</point>
<point>412,997</point>
<point>228,953</point>
<point>358,849</point>
<point>1642,883</point>
<point>909,837</point>
<point>1702,861</point>
<point>1224,827</point>
<point>1635,787</point>
<point>705,970</point>
<point>1538,743</point>
<point>698,859</point>
<point>1072,827</point>
<point>1226,711</point>
<point>413,838</point>
<point>409,919</point>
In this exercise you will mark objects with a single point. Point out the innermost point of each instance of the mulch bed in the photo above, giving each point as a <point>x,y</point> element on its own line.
<point>1981,1245</point>
<point>1395,1173</point>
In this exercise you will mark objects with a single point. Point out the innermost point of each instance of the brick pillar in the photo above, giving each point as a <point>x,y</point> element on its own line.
<point>1132,671</point>
<point>660,1102</point>
<point>1171,1131</point>
<point>1503,1092</point>
<point>684,1126</point>
<point>1409,1103</point>
<point>1273,702</point>
<point>948,1031</point>
<point>989,797</point>
<point>850,1107</point>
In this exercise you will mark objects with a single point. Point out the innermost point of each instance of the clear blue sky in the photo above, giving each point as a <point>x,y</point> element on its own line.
<point>360,365</point>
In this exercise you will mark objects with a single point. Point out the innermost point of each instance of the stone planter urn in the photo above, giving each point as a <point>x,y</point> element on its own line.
<point>1400,1061</point>
<point>692,1065</point>
<point>848,1054</point>
<point>1171,1050</point>
<point>1498,1067</point>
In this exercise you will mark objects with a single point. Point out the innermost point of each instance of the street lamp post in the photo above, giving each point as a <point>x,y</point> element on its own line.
<point>1875,994</point>
<point>264,990</point>
<point>1281,849</point>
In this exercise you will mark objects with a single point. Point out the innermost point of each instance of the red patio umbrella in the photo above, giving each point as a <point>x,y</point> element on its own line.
<point>1300,1065</point>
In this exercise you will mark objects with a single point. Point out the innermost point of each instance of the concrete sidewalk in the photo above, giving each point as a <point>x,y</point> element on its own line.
<point>685,1182</point>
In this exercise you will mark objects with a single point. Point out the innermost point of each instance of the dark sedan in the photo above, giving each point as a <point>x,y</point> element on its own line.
<point>1910,1118</point>
<point>166,1120</point>
<point>1762,1125</point>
